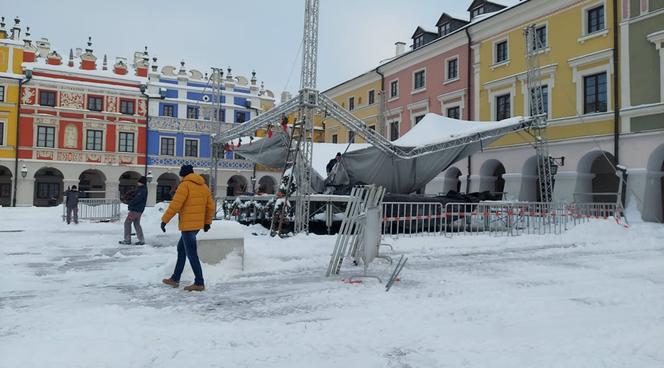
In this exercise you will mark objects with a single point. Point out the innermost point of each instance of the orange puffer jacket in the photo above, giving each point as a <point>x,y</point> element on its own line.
<point>193,202</point>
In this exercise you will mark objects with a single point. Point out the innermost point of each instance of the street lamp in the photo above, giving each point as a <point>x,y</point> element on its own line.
<point>149,177</point>
<point>24,171</point>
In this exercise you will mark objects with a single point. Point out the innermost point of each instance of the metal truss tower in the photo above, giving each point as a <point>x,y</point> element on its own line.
<point>535,44</point>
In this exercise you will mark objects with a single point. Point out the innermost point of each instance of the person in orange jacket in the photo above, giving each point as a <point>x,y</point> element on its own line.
<point>193,202</point>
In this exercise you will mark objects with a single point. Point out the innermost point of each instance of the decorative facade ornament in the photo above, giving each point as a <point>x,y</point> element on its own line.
<point>71,136</point>
<point>111,104</point>
<point>71,100</point>
<point>141,107</point>
<point>28,97</point>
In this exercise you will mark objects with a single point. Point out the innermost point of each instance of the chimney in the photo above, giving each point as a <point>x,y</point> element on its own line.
<point>3,31</point>
<point>71,58</point>
<point>43,47</point>
<point>142,64</point>
<point>54,58</point>
<point>16,29</point>
<point>154,64</point>
<point>400,48</point>
<point>29,52</point>
<point>88,60</point>
<point>120,66</point>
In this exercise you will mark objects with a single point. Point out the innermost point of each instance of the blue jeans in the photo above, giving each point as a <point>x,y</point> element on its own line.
<point>187,249</point>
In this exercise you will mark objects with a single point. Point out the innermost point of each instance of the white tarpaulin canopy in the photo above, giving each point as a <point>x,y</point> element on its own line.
<point>449,140</point>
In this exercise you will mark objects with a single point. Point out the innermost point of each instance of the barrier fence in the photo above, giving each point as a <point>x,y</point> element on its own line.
<point>96,209</point>
<point>493,218</point>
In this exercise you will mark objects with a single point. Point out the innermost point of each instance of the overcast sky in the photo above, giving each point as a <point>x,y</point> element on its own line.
<point>265,35</point>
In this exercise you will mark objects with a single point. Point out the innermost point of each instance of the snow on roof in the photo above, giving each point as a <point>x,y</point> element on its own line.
<point>435,128</point>
<point>41,64</point>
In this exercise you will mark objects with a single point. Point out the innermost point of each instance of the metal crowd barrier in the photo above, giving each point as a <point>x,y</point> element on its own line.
<point>96,209</point>
<point>409,218</point>
<point>489,218</point>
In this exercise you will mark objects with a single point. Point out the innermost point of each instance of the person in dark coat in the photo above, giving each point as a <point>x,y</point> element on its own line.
<point>334,161</point>
<point>136,206</point>
<point>71,202</point>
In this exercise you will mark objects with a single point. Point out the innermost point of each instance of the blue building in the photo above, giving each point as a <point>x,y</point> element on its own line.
<point>182,107</point>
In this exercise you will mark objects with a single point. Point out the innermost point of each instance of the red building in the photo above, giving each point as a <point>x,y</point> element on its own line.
<point>81,124</point>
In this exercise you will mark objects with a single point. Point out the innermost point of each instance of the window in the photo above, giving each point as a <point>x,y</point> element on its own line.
<point>372,127</point>
<point>372,97</point>
<point>45,136</point>
<point>544,102</point>
<point>394,89</point>
<point>167,146</point>
<point>453,112</point>
<point>595,19</point>
<point>240,117</point>
<point>127,107</point>
<point>126,142</point>
<point>191,147</point>
<point>169,110</point>
<point>394,130</point>
<point>93,140</point>
<point>594,96</point>
<point>418,118</point>
<point>503,107</point>
<point>2,93</point>
<point>2,133</point>
<point>48,190</point>
<point>418,80</point>
<point>335,138</point>
<point>501,52</point>
<point>452,69</point>
<point>477,11</point>
<point>351,103</point>
<point>444,29</point>
<point>192,112</point>
<point>95,103</point>
<point>351,136</point>
<point>540,38</point>
<point>419,41</point>
<point>47,98</point>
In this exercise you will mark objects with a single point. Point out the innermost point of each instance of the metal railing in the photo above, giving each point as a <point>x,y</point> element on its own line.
<point>408,218</point>
<point>96,209</point>
<point>489,218</point>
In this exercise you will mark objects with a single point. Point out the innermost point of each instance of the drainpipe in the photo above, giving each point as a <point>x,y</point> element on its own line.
<point>469,97</point>
<point>381,109</point>
<point>21,82</point>
<point>147,131</point>
<point>616,86</point>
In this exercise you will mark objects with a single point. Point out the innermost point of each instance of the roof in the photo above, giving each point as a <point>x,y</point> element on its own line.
<point>476,3</point>
<point>446,18</point>
<point>422,30</point>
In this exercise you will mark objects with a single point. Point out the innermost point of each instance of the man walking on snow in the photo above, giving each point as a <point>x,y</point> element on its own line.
<point>194,205</point>
<point>136,206</point>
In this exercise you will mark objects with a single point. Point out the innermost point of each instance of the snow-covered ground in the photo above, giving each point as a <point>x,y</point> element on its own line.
<point>70,296</point>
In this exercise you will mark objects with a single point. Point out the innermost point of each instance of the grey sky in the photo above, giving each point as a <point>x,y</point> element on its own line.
<point>252,34</point>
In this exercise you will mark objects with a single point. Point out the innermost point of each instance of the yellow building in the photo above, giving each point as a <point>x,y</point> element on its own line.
<point>576,63</point>
<point>360,96</point>
<point>11,58</point>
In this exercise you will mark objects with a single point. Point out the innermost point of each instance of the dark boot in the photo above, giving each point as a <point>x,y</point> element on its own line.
<point>124,242</point>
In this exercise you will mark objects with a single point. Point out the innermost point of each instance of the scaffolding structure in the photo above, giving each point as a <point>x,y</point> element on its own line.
<point>311,102</point>
<point>535,45</point>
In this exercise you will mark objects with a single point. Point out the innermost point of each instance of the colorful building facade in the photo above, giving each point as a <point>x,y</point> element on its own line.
<point>601,77</point>
<point>12,48</point>
<point>81,123</point>
<point>183,104</point>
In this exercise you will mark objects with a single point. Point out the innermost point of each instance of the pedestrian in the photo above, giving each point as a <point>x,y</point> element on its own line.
<point>332,163</point>
<point>71,203</point>
<point>136,206</point>
<point>194,205</point>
